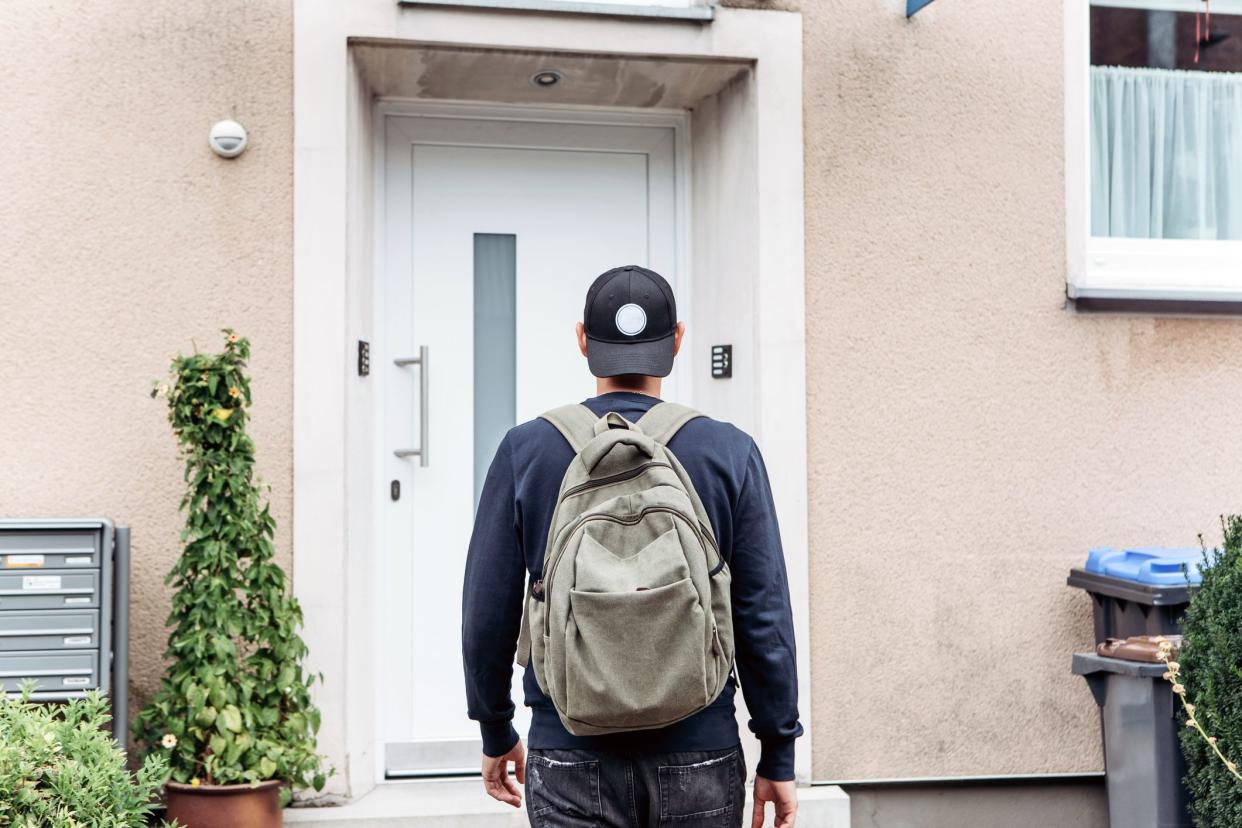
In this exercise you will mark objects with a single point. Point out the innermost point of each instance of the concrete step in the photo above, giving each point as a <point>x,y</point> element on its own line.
<point>461,803</point>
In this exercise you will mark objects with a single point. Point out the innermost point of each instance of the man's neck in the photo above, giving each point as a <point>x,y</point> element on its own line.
<point>649,386</point>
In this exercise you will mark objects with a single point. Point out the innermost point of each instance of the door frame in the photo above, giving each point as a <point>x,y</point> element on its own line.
<point>386,108</point>
<point>747,200</point>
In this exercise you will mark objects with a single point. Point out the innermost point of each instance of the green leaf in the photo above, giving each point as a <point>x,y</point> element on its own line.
<point>232,718</point>
<point>205,717</point>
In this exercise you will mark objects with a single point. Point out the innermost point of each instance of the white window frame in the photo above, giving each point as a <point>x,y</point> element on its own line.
<point>1189,270</point>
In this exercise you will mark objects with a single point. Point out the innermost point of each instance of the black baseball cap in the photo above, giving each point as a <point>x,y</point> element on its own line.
<point>630,320</point>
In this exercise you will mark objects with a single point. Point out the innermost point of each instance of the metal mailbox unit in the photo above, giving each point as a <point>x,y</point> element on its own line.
<point>64,610</point>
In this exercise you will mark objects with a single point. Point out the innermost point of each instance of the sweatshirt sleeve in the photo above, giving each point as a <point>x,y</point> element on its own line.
<point>763,624</point>
<point>492,606</point>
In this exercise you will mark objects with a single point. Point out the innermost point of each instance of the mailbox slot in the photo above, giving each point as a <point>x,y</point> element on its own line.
<point>49,630</point>
<point>62,589</point>
<point>68,672</point>
<point>49,550</point>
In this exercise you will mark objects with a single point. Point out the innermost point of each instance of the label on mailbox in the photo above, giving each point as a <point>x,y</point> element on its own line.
<point>76,681</point>
<point>41,582</point>
<point>17,561</point>
<point>77,639</point>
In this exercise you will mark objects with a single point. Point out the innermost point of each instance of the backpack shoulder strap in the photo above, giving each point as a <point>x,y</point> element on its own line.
<point>575,422</point>
<point>665,419</point>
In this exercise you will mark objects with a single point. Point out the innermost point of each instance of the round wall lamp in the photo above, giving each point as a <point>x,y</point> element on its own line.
<point>227,139</point>
<point>545,78</point>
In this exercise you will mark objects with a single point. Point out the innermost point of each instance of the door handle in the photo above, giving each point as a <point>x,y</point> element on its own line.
<point>421,362</point>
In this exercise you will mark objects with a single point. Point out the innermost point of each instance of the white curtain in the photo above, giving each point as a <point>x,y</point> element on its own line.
<point>1166,153</point>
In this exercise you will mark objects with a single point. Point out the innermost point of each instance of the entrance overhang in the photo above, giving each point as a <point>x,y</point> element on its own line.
<point>740,80</point>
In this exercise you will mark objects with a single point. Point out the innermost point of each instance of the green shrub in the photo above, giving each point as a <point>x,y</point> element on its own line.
<point>234,704</point>
<point>60,769</point>
<point>1210,665</point>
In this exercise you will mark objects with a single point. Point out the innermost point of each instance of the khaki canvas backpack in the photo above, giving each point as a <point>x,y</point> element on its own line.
<point>630,626</point>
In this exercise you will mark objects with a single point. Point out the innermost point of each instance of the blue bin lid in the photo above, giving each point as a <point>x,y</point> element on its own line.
<point>1161,565</point>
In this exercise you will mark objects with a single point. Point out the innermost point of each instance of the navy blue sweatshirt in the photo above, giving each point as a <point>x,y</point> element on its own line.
<point>506,549</point>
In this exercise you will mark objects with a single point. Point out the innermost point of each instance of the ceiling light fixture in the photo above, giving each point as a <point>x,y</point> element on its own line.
<point>546,78</point>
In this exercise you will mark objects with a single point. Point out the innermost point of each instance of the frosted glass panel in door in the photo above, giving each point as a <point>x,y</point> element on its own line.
<point>495,374</point>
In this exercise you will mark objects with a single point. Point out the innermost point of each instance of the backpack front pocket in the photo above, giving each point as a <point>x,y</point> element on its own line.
<point>634,659</point>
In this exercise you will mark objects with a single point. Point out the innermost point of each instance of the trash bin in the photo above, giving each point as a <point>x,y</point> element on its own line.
<point>1143,761</point>
<point>1139,591</point>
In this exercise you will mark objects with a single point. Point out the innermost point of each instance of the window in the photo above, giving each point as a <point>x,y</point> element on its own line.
<point>1154,149</point>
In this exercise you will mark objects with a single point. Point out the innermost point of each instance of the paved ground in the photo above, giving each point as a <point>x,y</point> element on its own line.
<point>461,803</point>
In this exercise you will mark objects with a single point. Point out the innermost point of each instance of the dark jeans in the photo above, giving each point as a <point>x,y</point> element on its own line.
<point>633,789</point>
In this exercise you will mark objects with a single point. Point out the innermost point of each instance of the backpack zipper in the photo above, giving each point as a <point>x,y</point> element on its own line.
<point>601,482</point>
<point>613,478</point>
<point>550,570</point>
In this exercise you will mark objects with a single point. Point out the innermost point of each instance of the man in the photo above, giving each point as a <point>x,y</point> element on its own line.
<point>692,768</point>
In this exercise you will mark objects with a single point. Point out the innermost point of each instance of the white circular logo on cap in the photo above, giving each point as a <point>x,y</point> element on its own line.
<point>631,319</point>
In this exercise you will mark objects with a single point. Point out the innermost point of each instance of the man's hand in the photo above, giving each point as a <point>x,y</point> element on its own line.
<point>496,775</point>
<point>782,795</point>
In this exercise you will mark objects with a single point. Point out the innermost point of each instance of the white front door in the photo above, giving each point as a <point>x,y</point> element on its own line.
<point>492,231</point>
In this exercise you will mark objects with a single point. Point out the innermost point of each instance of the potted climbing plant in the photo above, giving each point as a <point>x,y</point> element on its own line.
<point>233,715</point>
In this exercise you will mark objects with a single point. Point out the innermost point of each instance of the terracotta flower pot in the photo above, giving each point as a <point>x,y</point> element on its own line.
<point>225,806</point>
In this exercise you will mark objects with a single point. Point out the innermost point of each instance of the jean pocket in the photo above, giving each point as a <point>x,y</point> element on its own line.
<point>701,794</point>
<point>562,794</point>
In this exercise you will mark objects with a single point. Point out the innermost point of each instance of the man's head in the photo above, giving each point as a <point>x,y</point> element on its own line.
<point>629,325</point>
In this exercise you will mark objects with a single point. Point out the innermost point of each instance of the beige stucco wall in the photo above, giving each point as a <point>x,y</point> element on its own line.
<point>122,239</point>
<point>970,437</point>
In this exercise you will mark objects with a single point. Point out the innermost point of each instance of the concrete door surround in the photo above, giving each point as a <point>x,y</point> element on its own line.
<point>740,77</point>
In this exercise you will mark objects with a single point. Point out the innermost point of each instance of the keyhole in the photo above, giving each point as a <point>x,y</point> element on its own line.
<point>394,489</point>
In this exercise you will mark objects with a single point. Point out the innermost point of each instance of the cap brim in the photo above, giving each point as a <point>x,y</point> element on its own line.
<point>612,359</point>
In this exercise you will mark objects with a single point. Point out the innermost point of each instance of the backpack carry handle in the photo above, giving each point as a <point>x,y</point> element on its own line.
<point>613,420</point>
<point>596,450</point>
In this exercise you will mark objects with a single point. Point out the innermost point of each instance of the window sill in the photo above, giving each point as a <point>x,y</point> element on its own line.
<point>702,14</point>
<point>1166,270</point>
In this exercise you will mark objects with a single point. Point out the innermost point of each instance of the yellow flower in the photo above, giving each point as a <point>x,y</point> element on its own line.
<point>169,740</point>
<point>222,413</point>
<point>232,337</point>
<point>234,391</point>
<point>195,782</point>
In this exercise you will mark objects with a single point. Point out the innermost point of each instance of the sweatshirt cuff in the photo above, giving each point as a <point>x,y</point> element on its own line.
<point>776,760</point>
<point>498,737</point>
